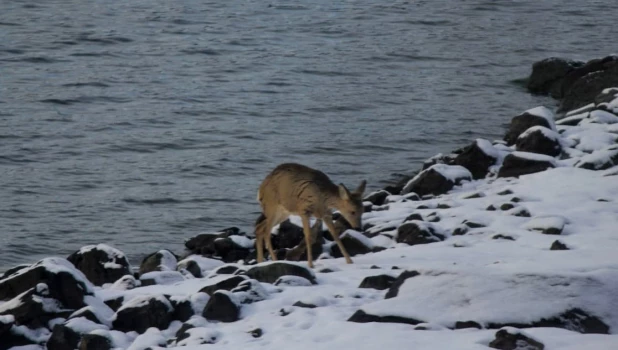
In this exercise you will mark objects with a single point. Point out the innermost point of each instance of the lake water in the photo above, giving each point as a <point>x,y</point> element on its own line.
<point>140,123</point>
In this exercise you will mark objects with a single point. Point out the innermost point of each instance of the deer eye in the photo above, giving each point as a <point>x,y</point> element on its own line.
<point>353,213</point>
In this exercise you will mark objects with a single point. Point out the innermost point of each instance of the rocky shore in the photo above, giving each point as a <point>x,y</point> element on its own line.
<point>507,244</point>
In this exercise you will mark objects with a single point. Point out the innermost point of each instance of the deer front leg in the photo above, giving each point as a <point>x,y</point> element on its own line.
<point>307,232</point>
<point>333,231</point>
<point>259,246</point>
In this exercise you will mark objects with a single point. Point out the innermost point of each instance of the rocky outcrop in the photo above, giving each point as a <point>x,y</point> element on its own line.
<point>582,85</point>
<point>101,263</point>
<point>547,75</point>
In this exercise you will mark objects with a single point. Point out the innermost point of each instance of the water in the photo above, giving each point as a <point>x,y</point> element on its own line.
<point>140,123</point>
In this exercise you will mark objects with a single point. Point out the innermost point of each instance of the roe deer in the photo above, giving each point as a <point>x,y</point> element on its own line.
<point>297,189</point>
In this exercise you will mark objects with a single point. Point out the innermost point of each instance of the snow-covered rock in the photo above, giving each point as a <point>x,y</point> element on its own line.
<point>101,263</point>
<point>437,179</point>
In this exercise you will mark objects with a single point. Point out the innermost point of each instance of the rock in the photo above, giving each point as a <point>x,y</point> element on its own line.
<point>183,309</point>
<point>472,224</point>
<point>522,163</point>
<point>575,320</point>
<point>519,211</point>
<point>101,263</point>
<point>361,317</point>
<point>203,243</point>
<point>143,312</point>
<point>413,216</point>
<point>582,85</point>
<point>438,179</point>
<point>549,225</point>
<point>226,270</point>
<point>182,333</point>
<point>65,283</point>
<point>606,96</point>
<point>393,291</point>
<point>505,237</point>
<point>467,324</point>
<point>92,314</point>
<point>355,244</point>
<point>505,192</point>
<point>270,272</point>
<point>10,336</point>
<point>233,248</point>
<point>379,282</point>
<point>250,291</point>
<point>377,197</point>
<point>438,159</point>
<point>161,278</point>
<point>126,282</point>
<point>477,158</point>
<point>34,308</point>
<point>600,160</point>
<point>95,342</point>
<point>512,339</point>
<point>115,303</point>
<point>539,116</point>
<point>294,281</point>
<point>539,139</point>
<point>256,333</point>
<point>557,245</point>
<point>506,206</point>
<point>226,284</point>
<point>402,180</point>
<point>13,270</point>
<point>460,230</point>
<point>163,260</point>
<point>222,306</point>
<point>547,75</point>
<point>63,338</point>
<point>416,232</point>
<point>303,305</point>
<point>191,266</point>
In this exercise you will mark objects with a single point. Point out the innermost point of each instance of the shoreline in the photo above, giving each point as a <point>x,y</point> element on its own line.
<point>529,220</point>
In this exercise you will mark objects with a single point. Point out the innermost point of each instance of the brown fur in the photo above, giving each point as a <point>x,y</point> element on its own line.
<point>299,190</point>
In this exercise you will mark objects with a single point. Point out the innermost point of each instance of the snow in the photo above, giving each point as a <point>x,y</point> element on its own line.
<point>545,222</point>
<point>242,241</point>
<point>535,156</point>
<point>600,157</point>
<point>163,277</point>
<point>83,325</point>
<point>143,300</point>
<point>168,260</point>
<point>544,113</point>
<point>490,150</point>
<point>56,265</point>
<point>152,337</point>
<point>366,241</point>
<point>550,134</point>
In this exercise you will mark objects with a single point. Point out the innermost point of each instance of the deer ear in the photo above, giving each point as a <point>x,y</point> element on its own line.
<point>361,188</point>
<point>344,193</point>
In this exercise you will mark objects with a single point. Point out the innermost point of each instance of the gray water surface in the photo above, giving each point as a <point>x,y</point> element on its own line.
<point>140,123</point>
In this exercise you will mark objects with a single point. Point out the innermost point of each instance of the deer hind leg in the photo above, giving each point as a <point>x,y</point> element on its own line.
<point>260,229</point>
<point>335,234</point>
<point>308,239</point>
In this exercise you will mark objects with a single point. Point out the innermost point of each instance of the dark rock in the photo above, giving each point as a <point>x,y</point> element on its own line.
<point>509,341</point>
<point>288,236</point>
<point>227,270</point>
<point>163,260</point>
<point>10,337</point>
<point>472,224</point>
<point>401,182</point>
<point>393,291</point>
<point>29,308</point>
<point>226,284</point>
<point>582,85</point>
<point>467,324</point>
<point>501,236</point>
<point>576,320</point>
<point>256,333</point>
<point>377,197</point>
<point>515,199</point>
<point>438,159</point>
<point>460,230</point>
<point>95,342</point>
<point>539,139</point>
<point>507,206</point>
<point>414,216</point>
<point>303,305</point>
<point>353,245</point>
<point>182,333</point>
<point>361,317</point>
<point>521,212</point>
<point>229,250</point>
<point>475,159</point>
<point>517,164</point>
<point>152,311</point>
<point>505,192</point>
<point>557,245</point>
<point>443,206</point>
<point>63,338</point>
<point>431,181</point>
<point>379,282</point>
<point>607,158</point>
<point>62,279</point>
<point>475,195</point>
<point>433,217</point>
<point>415,233</point>
<point>251,291</point>
<point>191,266</point>
<point>183,309</point>
<point>521,123</point>
<point>222,307</point>
<point>115,303</point>
<point>491,207</point>
<point>269,273</point>
<point>547,75</point>
<point>89,313</point>
<point>13,270</point>
<point>204,243</point>
<point>101,263</point>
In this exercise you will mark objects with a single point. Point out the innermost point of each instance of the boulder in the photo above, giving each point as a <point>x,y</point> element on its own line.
<point>539,116</point>
<point>547,75</point>
<point>163,260</point>
<point>417,232</point>
<point>557,245</point>
<point>233,248</point>
<point>377,197</point>
<point>270,272</point>
<point>67,335</point>
<point>226,270</point>
<point>95,342</point>
<point>437,179</point>
<point>101,263</point>
<point>354,242</point>
<point>143,312</point>
<point>582,85</point>
<point>225,284</point>
<point>10,336</point>
<point>393,290</point>
<point>477,158</point>
<point>361,316</point>
<point>34,308</point>
<point>183,309</point>
<point>511,339</point>
<point>223,306</point>
<point>65,283</point>
<point>191,266</point>
<point>204,243</point>
<point>379,282</point>
<point>539,139</point>
<point>522,163</point>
